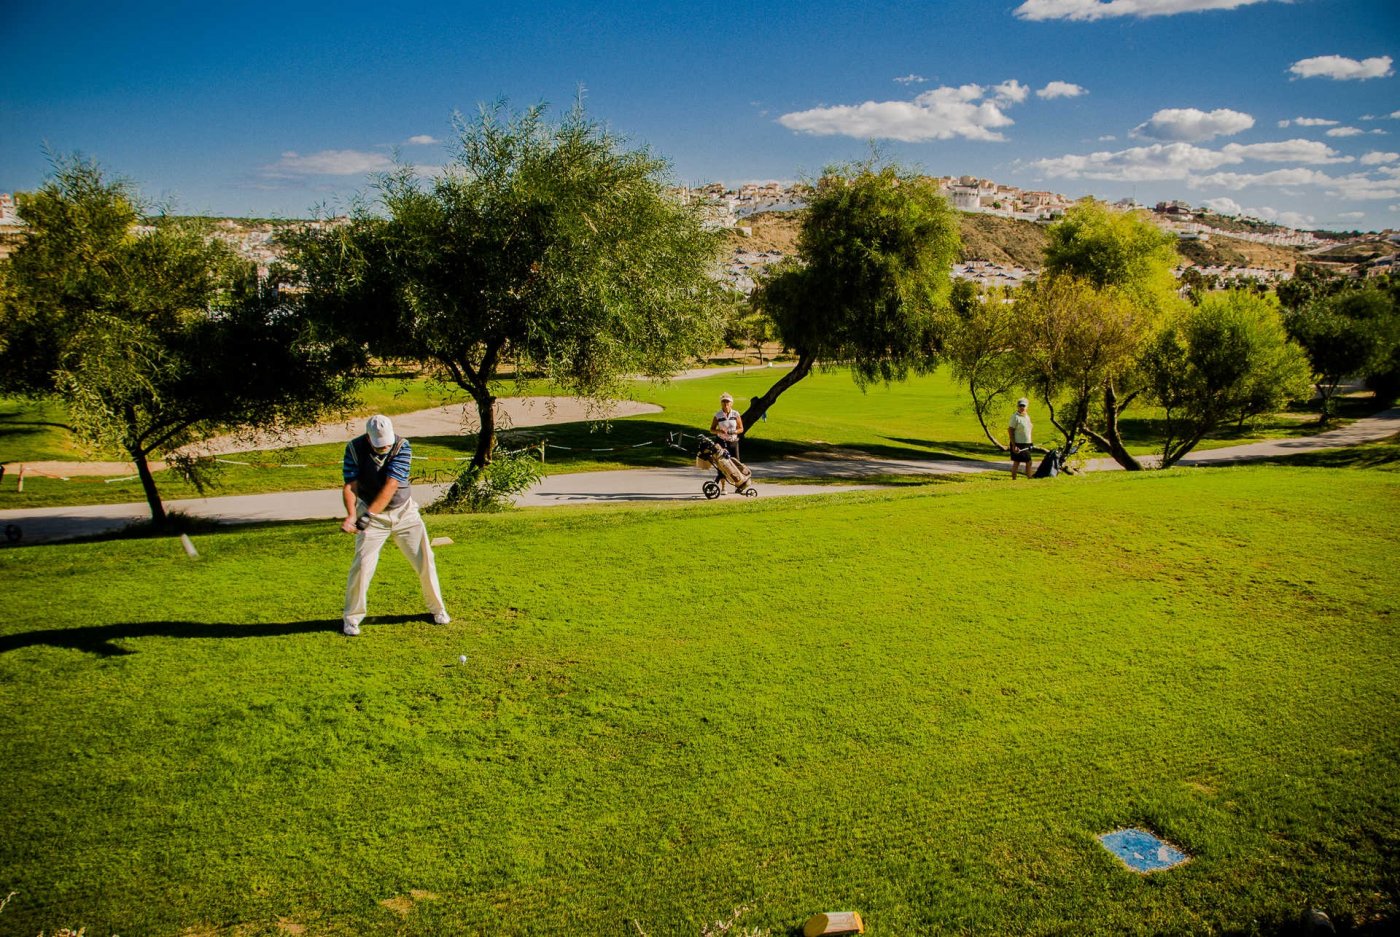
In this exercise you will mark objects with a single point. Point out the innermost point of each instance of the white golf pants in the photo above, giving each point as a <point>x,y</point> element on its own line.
<point>406,526</point>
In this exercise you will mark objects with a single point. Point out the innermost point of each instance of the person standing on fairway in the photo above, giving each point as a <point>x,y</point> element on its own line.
<point>727,426</point>
<point>1020,434</point>
<point>378,506</point>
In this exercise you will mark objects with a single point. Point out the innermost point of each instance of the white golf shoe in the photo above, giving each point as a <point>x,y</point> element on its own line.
<point>442,618</point>
<point>350,629</point>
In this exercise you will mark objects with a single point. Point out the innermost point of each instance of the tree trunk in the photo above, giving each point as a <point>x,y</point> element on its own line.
<point>1170,457</point>
<point>1327,391</point>
<point>486,437</point>
<point>148,484</point>
<point>980,409</point>
<point>758,406</point>
<point>485,440</point>
<point>1111,434</point>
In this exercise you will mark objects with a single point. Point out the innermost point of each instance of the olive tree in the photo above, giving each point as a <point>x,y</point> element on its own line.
<point>870,283</point>
<point>1106,289</point>
<point>1075,345</point>
<point>150,331</point>
<point>979,347</point>
<point>550,247</point>
<point>1350,333</point>
<point>1221,362</point>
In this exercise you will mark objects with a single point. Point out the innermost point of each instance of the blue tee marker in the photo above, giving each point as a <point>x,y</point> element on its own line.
<point>1141,851</point>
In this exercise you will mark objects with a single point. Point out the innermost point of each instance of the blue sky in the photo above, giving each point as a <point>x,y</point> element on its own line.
<point>1284,110</point>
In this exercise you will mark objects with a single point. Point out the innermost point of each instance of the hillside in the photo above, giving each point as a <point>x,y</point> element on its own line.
<point>1006,241</point>
<point>1357,252</point>
<point>984,237</point>
<point>772,231</point>
<point>1228,251</point>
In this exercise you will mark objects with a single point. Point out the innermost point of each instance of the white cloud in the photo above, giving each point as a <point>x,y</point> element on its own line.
<point>1088,10</point>
<point>940,114</point>
<point>1190,125</point>
<point>1313,152</point>
<point>1061,89</point>
<point>1107,138</point>
<point>329,163</point>
<point>1360,187</point>
<point>1228,206</point>
<point>1309,122</point>
<point>1011,91</point>
<point>1345,132</point>
<point>1205,168</point>
<point>911,79</point>
<point>1138,164</point>
<point>422,139</point>
<point>1352,215</point>
<point>1224,206</point>
<point>1240,180</point>
<point>1341,68</point>
<point>1289,219</point>
<point>1182,161</point>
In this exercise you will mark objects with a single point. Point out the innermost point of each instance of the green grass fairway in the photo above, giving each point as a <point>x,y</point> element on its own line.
<point>921,704</point>
<point>925,417</point>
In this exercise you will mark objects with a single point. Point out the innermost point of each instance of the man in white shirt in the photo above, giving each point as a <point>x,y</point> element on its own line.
<point>1020,434</point>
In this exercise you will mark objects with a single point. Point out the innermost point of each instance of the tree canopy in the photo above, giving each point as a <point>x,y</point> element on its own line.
<point>1220,362</point>
<point>1106,288</point>
<point>1107,248</point>
<point>153,333</point>
<point>1347,333</point>
<point>870,284</point>
<point>550,247</point>
<point>1076,346</point>
<point>1103,326</point>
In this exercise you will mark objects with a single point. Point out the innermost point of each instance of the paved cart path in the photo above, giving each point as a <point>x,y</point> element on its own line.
<point>38,525</point>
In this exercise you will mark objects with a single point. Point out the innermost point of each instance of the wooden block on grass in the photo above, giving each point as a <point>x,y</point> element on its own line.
<point>834,922</point>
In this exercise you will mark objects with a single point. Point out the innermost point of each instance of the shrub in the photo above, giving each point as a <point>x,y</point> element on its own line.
<point>492,486</point>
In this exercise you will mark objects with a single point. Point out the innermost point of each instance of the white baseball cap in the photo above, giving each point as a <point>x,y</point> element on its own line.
<point>1023,402</point>
<point>380,431</point>
<point>725,396</point>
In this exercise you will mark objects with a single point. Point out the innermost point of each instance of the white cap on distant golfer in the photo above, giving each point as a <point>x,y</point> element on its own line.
<point>380,430</point>
<point>725,396</point>
<point>1023,402</point>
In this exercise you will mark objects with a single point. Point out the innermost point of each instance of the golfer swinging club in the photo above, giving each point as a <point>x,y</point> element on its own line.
<point>378,506</point>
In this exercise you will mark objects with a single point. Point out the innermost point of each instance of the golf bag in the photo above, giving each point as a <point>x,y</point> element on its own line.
<point>733,471</point>
<point>1056,461</point>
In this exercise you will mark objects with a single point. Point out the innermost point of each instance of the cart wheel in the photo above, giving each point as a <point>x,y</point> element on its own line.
<point>711,490</point>
<point>750,492</point>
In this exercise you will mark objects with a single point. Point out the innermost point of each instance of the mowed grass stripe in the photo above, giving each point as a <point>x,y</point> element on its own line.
<point>921,704</point>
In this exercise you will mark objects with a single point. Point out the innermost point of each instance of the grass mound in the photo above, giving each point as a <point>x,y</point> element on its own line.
<point>921,705</point>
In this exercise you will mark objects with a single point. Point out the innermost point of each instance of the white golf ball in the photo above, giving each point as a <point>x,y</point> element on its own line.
<point>462,659</point>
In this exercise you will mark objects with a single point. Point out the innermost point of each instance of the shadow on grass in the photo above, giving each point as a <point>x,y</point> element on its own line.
<point>1382,454</point>
<point>1298,925</point>
<point>100,639</point>
<point>67,530</point>
<point>961,449</point>
<point>641,443</point>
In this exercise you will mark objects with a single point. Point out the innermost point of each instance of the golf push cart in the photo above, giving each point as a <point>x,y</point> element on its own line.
<point>1056,460</point>
<point>709,454</point>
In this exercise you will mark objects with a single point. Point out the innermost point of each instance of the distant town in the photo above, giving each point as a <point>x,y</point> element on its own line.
<point>735,210</point>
